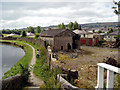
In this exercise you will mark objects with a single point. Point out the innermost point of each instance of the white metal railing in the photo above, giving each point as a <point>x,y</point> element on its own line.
<point>110,75</point>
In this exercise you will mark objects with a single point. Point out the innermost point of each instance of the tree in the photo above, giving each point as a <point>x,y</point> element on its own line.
<point>38,29</point>
<point>62,26</point>
<point>59,26</point>
<point>99,31</point>
<point>30,29</point>
<point>75,25</point>
<point>117,37</point>
<point>23,33</point>
<point>110,30</point>
<point>70,25</point>
<point>116,11</point>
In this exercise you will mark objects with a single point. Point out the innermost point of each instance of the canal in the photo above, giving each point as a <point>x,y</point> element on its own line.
<point>10,56</point>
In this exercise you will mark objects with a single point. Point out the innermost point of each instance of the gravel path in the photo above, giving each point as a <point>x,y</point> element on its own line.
<point>33,79</point>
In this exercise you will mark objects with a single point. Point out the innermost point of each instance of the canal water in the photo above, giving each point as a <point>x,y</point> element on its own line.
<point>10,56</point>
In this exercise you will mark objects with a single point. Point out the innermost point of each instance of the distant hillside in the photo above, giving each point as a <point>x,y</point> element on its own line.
<point>97,25</point>
<point>94,25</point>
<point>88,25</point>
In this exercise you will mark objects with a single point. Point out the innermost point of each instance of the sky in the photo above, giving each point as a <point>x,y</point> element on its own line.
<point>20,14</point>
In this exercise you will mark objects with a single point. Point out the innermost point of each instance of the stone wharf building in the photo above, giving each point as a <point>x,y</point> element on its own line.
<point>61,39</point>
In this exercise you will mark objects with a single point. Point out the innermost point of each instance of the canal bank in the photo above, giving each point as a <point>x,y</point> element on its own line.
<point>10,56</point>
<point>24,61</point>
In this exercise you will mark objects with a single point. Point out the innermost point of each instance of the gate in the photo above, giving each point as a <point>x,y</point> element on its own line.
<point>90,42</point>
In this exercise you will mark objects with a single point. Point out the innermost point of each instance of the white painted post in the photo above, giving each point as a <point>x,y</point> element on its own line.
<point>100,77</point>
<point>110,79</point>
<point>110,75</point>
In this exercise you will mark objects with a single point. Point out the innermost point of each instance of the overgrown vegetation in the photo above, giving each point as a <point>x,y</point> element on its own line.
<point>42,70</point>
<point>25,72</point>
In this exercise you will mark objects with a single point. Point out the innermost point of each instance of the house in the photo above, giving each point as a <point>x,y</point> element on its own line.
<point>83,33</point>
<point>86,38</point>
<point>12,34</point>
<point>110,36</point>
<point>99,36</point>
<point>61,39</point>
<point>30,34</point>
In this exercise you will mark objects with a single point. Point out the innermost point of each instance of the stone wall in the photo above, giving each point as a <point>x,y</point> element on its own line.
<point>32,40</point>
<point>65,84</point>
<point>60,42</point>
<point>13,83</point>
<point>8,38</point>
<point>49,40</point>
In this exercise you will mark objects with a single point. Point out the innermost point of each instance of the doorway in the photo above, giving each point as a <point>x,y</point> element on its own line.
<point>61,47</point>
<point>69,46</point>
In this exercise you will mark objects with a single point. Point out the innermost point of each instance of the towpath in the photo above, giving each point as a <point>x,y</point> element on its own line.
<point>36,82</point>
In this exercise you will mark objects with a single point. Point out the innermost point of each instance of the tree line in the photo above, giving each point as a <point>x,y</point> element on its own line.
<point>71,26</point>
<point>18,31</point>
<point>31,30</point>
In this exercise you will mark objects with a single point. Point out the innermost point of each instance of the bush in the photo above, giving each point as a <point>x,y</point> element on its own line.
<point>25,72</point>
<point>23,33</point>
<point>36,35</point>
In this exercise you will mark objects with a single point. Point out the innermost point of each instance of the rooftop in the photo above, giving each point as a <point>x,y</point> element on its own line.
<point>53,32</point>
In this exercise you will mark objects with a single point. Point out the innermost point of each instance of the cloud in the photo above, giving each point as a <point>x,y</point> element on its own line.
<point>24,14</point>
<point>58,0</point>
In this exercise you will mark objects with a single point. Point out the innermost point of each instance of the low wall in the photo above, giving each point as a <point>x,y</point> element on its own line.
<point>13,83</point>
<point>9,38</point>
<point>65,84</point>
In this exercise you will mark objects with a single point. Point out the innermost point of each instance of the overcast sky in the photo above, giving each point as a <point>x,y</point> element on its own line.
<point>24,14</point>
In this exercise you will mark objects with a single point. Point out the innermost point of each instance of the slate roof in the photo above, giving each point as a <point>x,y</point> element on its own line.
<point>52,32</point>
